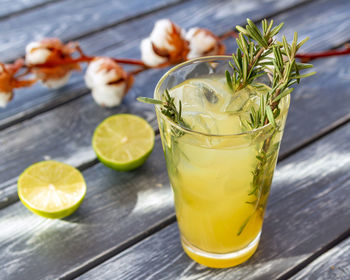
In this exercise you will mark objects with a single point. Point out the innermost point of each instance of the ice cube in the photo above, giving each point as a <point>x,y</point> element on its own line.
<point>237,101</point>
<point>190,99</point>
<point>209,94</point>
<point>208,89</point>
<point>201,122</point>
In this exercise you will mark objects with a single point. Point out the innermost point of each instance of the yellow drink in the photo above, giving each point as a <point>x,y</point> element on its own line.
<point>220,173</point>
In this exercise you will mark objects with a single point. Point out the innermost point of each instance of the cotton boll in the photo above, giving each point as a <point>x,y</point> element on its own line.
<point>57,82</point>
<point>203,42</point>
<point>103,70</point>
<point>148,56</point>
<point>6,86</point>
<point>51,51</point>
<point>108,95</point>
<point>166,45</point>
<point>9,81</point>
<point>36,53</point>
<point>5,97</point>
<point>161,31</point>
<point>108,81</point>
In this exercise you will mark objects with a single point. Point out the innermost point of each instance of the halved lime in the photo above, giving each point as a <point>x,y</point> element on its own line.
<point>123,142</point>
<point>51,189</point>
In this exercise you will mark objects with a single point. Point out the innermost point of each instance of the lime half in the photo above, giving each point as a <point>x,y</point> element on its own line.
<point>123,142</point>
<point>51,189</point>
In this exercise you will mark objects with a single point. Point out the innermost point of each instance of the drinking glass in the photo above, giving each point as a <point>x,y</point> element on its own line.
<point>221,183</point>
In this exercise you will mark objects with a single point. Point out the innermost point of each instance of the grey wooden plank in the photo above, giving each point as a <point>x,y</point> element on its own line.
<point>118,206</point>
<point>311,96</point>
<point>308,210</point>
<point>46,230</point>
<point>9,7</point>
<point>67,20</point>
<point>311,110</point>
<point>64,133</point>
<point>124,39</point>
<point>144,85</point>
<point>334,264</point>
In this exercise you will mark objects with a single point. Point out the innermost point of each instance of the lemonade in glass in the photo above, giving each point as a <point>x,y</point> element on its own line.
<point>220,170</point>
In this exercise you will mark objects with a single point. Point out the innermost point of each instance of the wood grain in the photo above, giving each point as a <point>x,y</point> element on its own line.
<point>70,129</point>
<point>334,264</point>
<point>67,20</point>
<point>307,211</point>
<point>64,133</point>
<point>118,207</point>
<point>10,7</point>
<point>71,132</point>
<point>319,103</point>
<point>122,208</point>
<point>123,40</point>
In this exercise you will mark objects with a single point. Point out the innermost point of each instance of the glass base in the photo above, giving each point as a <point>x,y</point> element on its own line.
<point>220,260</point>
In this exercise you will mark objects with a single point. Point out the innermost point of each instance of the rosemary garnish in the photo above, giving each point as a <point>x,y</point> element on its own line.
<point>260,54</point>
<point>168,107</point>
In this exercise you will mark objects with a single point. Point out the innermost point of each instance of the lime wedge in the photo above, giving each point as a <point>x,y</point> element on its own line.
<point>51,189</point>
<point>123,142</point>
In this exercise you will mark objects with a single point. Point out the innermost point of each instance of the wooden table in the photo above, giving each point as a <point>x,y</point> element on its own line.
<point>126,227</point>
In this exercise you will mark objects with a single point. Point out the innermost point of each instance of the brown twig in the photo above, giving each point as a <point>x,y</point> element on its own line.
<point>129,61</point>
<point>228,34</point>
<point>139,70</point>
<point>84,58</point>
<point>309,56</point>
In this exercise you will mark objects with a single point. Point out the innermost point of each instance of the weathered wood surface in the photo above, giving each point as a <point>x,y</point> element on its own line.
<point>309,209</point>
<point>64,134</point>
<point>118,206</point>
<point>9,7</point>
<point>123,208</point>
<point>123,40</point>
<point>334,264</point>
<point>311,111</point>
<point>72,131</point>
<point>68,20</point>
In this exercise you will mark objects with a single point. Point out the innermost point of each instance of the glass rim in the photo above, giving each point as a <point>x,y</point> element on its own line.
<point>194,132</point>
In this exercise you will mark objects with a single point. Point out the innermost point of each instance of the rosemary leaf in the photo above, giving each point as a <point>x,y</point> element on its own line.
<point>149,100</point>
<point>237,63</point>
<point>276,29</point>
<point>302,43</point>
<point>283,94</point>
<point>269,115</point>
<point>302,66</point>
<point>241,30</point>
<point>229,80</point>
<point>303,76</point>
<point>269,28</point>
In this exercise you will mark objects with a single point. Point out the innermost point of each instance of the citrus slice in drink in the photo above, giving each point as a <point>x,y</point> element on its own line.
<point>51,189</point>
<point>123,142</point>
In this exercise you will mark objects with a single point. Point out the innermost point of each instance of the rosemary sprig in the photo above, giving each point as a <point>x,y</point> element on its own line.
<point>168,107</point>
<point>258,52</point>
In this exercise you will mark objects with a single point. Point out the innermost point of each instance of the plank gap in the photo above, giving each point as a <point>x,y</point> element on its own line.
<point>317,254</point>
<point>31,114</point>
<point>28,9</point>
<point>329,129</point>
<point>22,116</point>
<point>92,263</point>
<point>141,15</point>
<point>13,197</point>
